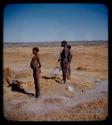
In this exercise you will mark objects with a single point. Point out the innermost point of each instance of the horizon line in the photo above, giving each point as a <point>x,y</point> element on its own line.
<point>55,41</point>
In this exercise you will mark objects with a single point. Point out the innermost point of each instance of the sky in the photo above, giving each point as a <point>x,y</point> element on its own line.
<point>54,22</point>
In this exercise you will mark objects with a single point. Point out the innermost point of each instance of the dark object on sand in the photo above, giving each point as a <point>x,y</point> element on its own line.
<point>56,78</point>
<point>81,68</point>
<point>17,86</point>
<point>82,90</point>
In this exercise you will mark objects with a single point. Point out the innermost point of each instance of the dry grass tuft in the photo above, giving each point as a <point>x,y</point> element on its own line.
<point>81,68</point>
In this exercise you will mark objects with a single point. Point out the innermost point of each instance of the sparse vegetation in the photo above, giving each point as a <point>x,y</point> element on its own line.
<point>56,103</point>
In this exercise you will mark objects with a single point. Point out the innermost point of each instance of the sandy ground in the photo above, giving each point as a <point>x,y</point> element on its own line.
<point>89,77</point>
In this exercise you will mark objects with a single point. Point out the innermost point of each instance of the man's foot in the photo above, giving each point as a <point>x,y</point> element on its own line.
<point>37,96</point>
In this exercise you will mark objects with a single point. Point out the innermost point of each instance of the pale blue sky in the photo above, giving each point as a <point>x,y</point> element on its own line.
<point>55,22</point>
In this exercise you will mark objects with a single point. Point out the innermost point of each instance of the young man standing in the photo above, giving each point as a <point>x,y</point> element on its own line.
<point>63,59</point>
<point>69,61</point>
<point>36,65</point>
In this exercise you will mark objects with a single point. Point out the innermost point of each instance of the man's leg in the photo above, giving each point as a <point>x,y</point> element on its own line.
<point>37,91</point>
<point>68,72</point>
<point>36,82</point>
<point>64,72</point>
<point>64,76</point>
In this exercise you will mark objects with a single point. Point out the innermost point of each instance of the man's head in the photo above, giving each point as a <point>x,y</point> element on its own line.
<point>63,43</point>
<point>35,50</point>
<point>69,47</point>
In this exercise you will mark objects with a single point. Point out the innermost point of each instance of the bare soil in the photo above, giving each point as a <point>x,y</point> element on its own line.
<point>89,78</point>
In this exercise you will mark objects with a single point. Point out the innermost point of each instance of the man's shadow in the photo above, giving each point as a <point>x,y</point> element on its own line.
<point>56,79</point>
<point>16,86</point>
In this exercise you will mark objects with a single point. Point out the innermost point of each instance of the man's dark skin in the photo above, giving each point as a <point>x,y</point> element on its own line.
<point>63,60</point>
<point>69,61</point>
<point>36,65</point>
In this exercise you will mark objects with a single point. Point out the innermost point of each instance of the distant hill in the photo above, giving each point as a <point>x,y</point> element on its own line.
<point>56,43</point>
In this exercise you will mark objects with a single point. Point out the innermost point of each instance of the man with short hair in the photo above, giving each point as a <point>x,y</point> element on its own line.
<point>36,65</point>
<point>69,61</point>
<point>63,59</point>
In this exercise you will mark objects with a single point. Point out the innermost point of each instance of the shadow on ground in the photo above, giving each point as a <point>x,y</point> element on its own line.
<point>55,78</point>
<point>17,87</point>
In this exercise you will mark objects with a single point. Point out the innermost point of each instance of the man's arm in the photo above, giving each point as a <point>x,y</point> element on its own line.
<point>70,57</point>
<point>38,59</point>
<point>66,53</point>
